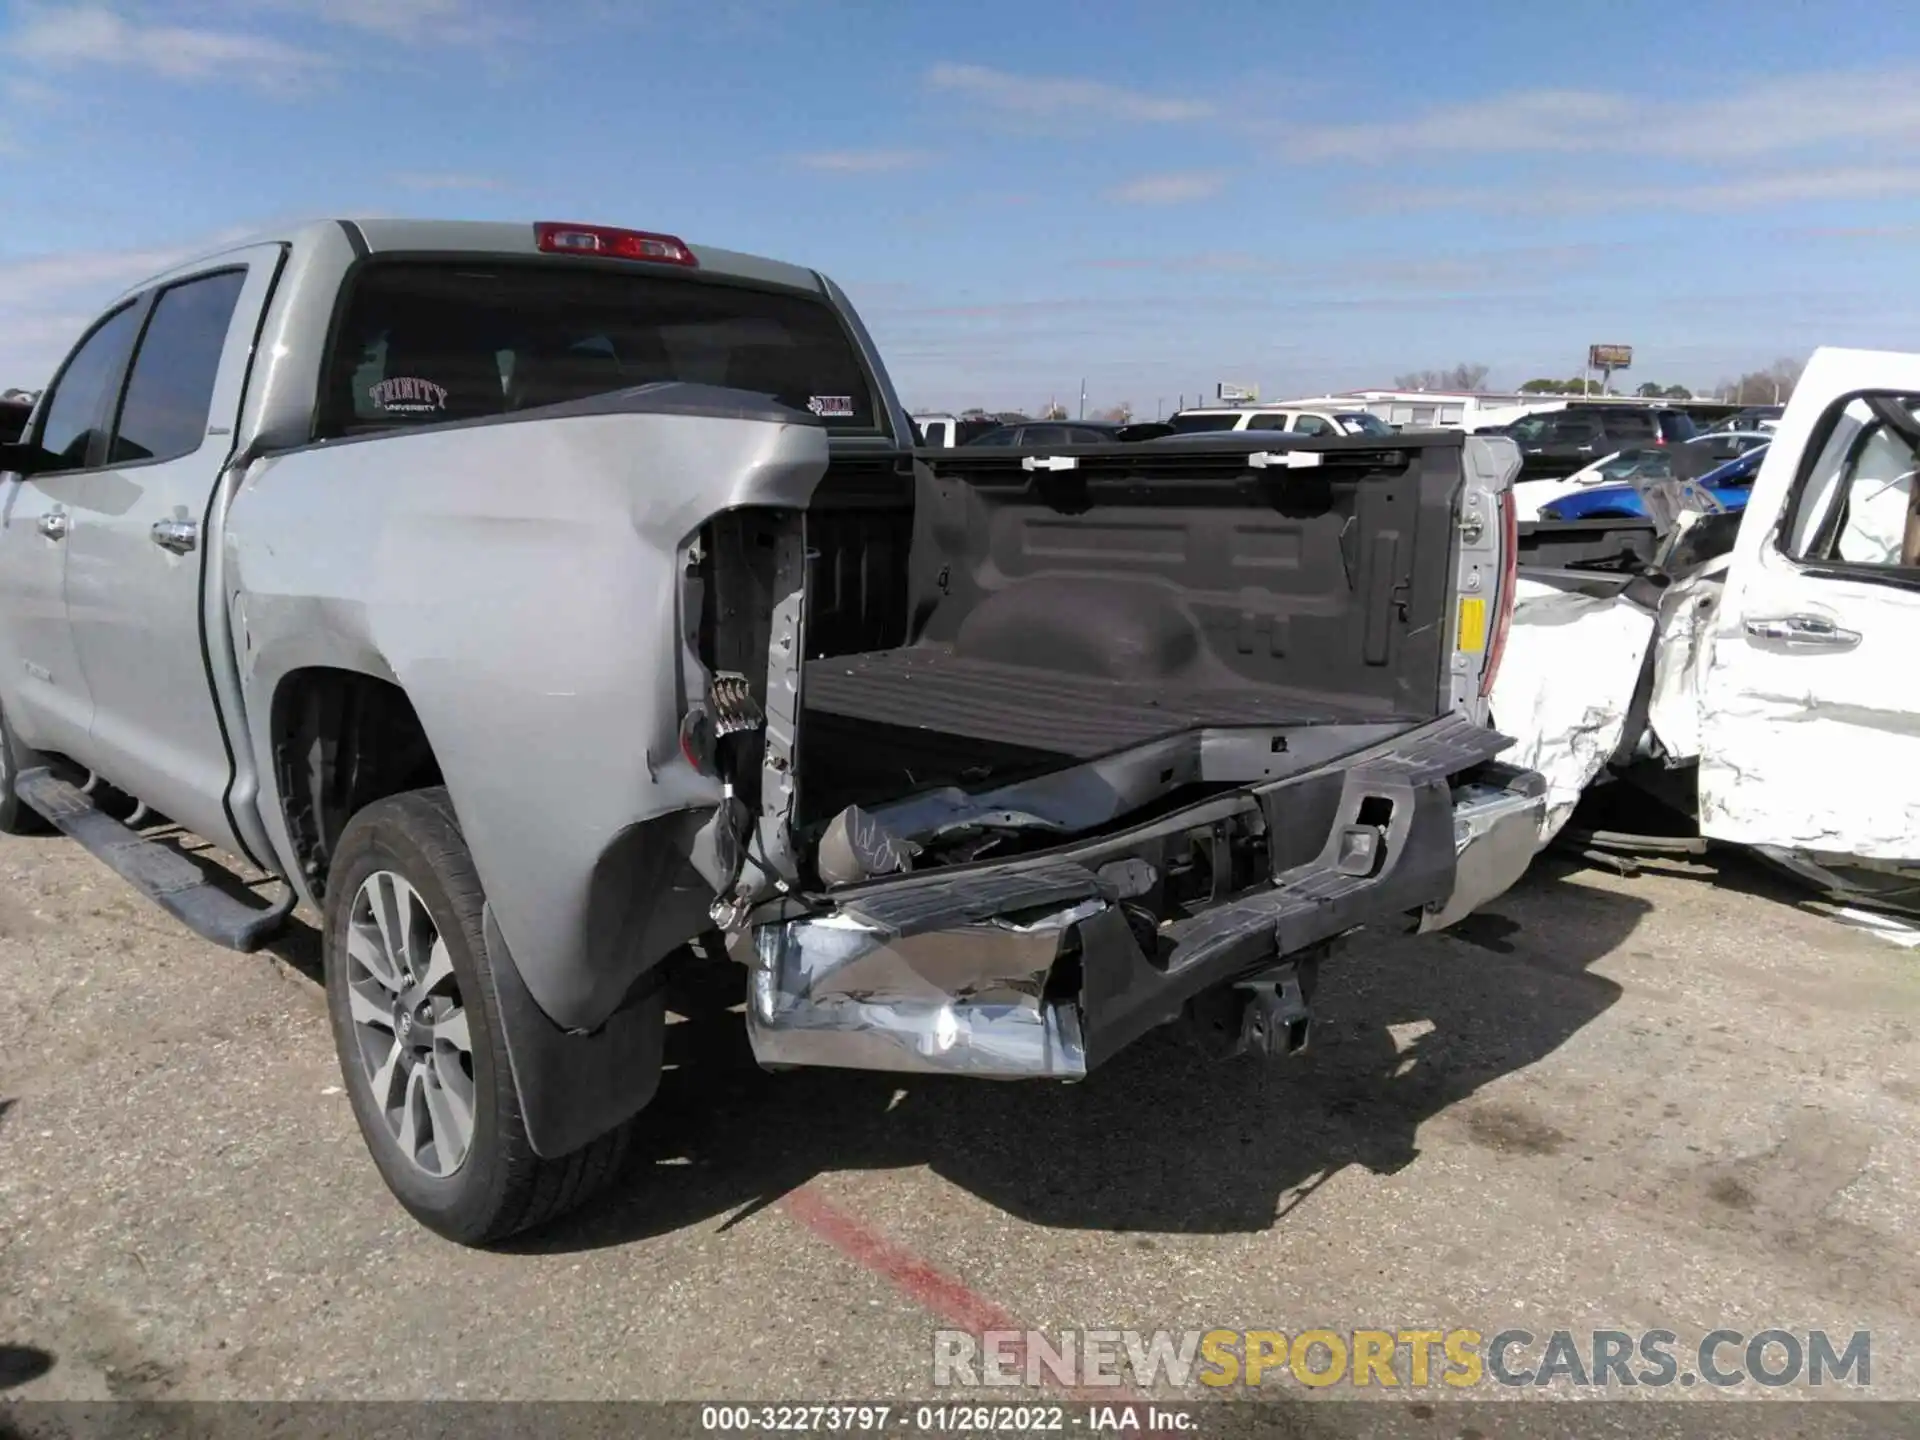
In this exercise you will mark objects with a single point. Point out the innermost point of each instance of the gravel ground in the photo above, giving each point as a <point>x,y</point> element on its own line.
<point>1674,1101</point>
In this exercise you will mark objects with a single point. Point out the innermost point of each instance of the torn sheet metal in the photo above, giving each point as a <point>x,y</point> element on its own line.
<point>1683,649</point>
<point>837,991</point>
<point>1565,686</point>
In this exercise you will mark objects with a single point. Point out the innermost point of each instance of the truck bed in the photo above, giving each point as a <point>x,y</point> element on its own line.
<point>929,687</point>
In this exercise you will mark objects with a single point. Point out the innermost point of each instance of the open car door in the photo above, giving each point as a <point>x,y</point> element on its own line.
<point>1810,706</point>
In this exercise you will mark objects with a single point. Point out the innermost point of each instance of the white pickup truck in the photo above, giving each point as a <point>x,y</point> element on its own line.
<point>537,600</point>
<point>1753,667</point>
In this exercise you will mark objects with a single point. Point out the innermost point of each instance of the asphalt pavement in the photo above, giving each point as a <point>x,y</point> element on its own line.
<point>1675,1101</point>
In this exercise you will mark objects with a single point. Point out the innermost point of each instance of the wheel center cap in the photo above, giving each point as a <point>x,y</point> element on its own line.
<point>406,1026</point>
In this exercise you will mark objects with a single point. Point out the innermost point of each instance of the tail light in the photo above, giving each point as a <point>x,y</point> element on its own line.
<point>556,237</point>
<point>1509,583</point>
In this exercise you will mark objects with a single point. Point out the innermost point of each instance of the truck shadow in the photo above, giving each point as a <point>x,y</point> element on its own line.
<point>1161,1139</point>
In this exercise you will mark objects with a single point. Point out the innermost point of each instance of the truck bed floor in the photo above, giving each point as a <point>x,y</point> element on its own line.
<point>928,687</point>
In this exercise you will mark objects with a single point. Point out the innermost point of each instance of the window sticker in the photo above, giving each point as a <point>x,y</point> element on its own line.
<point>408,395</point>
<point>838,406</point>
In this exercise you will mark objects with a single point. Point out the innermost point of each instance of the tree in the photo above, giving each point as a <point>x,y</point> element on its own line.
<point>1463,376</point>
<point>1771,386</point>
<point>1650,390</point>
<point>1678,392</point>
<point>1054,411</point>
<point>1553,387</point>
<point>1118,414</point>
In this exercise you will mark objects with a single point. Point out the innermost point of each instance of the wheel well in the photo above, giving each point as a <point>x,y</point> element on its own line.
<point>342,740</point>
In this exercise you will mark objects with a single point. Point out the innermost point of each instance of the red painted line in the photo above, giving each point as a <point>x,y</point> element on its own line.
<point>925,1284</point>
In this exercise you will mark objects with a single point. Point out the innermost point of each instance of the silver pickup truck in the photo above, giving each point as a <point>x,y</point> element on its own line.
<point>551,605</point>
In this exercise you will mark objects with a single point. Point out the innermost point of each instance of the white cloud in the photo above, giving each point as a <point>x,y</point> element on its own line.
<point>1176,187</point>
<point>1054,96</point>
<point>862,161</point>
<point>1769,116</point>
<point>94,35</point>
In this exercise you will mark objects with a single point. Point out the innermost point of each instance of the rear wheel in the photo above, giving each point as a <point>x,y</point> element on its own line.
<point>416,1022</point>
<point>15,817</point>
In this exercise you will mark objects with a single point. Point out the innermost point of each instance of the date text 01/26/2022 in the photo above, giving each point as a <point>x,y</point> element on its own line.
<point>946,1419</point>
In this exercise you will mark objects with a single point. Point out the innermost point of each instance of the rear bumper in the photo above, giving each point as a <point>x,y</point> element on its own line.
<point>1496,830</point>
<point>1047,966</point>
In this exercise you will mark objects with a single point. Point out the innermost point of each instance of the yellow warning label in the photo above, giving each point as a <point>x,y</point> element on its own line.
<point>1473,625</point>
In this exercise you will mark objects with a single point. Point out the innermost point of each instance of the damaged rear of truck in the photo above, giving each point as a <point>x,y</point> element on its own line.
<point>552,605</point>
<point>1062,747</point>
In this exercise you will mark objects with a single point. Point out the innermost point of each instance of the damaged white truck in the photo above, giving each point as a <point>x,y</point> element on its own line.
<point>542,603</point>
<point>1753,669</point>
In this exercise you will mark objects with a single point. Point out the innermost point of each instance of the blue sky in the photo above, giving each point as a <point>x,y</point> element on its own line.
<point>1150,197</point>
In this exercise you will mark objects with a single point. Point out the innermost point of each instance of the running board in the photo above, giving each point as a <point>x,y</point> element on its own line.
<point>164,876</point>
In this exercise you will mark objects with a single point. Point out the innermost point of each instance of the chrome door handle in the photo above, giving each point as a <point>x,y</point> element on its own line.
<point>179,536</point>
<point>1803,632</point>
<point>53,524</point>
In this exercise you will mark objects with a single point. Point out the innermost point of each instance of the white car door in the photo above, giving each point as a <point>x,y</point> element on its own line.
<point>1810,704</point>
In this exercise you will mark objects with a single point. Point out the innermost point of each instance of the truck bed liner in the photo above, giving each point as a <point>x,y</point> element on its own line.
<point>929,687</point>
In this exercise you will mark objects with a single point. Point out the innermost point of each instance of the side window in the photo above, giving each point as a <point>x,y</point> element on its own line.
<point>1088,437</point>
<point>1043,435</point>
<point>1267,420</point>
<point>1569,431</point>
<point>1856,504</point>
<point>1314,425</point>
<point>170,391</point>
<point>76,411</point>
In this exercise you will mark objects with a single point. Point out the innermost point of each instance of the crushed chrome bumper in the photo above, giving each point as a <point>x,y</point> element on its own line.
<point>1046,966</point>
<point>1496,832</point>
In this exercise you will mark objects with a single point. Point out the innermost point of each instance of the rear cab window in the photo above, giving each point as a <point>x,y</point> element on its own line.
<point>422,342</point>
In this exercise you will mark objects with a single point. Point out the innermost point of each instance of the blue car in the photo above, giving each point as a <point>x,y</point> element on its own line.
<point>1730,484</point>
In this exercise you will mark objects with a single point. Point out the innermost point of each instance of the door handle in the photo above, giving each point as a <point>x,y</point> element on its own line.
<point>53,524</point>
<point>1803,632</point>
<point>179,536</point>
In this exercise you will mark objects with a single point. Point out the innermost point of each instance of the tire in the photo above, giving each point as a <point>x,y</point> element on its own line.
<point>15,817</point>
<point>402,855</point>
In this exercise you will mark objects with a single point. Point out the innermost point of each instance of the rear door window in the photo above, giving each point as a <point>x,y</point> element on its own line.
<point>1630,429</point>
<point>164,413</point>
<point>1314,425</point>
<point>424,342</point>
<point>1570,430</point>
<point>1044,435</point>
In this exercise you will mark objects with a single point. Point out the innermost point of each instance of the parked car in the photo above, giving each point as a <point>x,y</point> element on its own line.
<point>1559,442</point>
<point>1048,432</point>
<point>947,431</point>
<point>536,601</point>
<point>1728,483</point>
<point>1280,418</point>
<point>1754,417</point>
